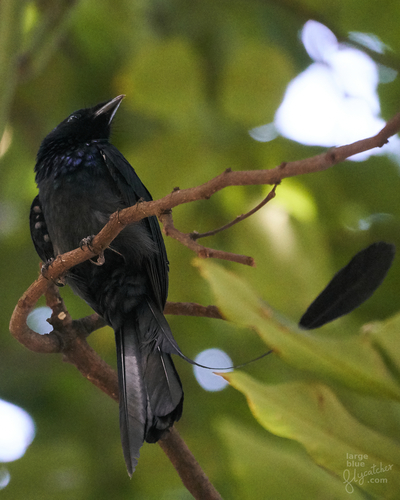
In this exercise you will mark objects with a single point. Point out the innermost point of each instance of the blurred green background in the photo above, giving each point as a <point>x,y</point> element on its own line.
<point>197,77</point>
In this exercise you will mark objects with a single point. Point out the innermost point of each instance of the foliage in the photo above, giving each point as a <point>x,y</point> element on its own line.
<point>309,411</point>
<point>197,76</point>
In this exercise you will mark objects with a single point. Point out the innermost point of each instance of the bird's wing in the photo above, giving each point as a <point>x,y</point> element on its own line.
<point>132,191</point>
<point>39,234</point>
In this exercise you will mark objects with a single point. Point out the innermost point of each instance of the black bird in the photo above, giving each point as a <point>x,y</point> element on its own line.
<point>82,180</point>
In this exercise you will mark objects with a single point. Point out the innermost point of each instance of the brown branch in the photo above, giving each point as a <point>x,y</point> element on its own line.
<point>170,230</point>
<point>89,324</point>
<point>53,342</point>
<point>241,178</point>
<point>184,462</point>
<point>192,309</point>
<point>256,177</point>
<point>160,207</point>
<point>195,235</point>
<point>19,329</point>
<point>92,323</point>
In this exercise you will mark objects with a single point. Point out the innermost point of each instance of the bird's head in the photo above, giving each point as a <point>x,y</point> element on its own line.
<point>82,126</point>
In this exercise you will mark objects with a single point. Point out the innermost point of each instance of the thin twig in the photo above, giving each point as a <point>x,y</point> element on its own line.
<point>93,322</point>
<point>204,252</point>
<point>195,235</point>
<point>192,309</point>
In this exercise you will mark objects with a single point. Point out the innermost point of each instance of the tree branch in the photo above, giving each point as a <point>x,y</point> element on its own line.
<point>184,462</point>
<point>121,219</point>
<point>93,322</point>
<point>192,309</point>
<point>241,178</point>
<point>195,235</point>
<point>186,239</point>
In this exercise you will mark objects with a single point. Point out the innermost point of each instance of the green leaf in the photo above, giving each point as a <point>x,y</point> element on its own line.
<point>280,468</point>
<point>385,337</point>
<point>311,414</point>
<point>351,361</point>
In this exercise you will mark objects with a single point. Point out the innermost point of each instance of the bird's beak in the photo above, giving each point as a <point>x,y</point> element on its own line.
<point>110,108</point>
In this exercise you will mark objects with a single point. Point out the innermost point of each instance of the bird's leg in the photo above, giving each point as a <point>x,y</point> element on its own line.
<point>87,242</point>
<point>44,270</point>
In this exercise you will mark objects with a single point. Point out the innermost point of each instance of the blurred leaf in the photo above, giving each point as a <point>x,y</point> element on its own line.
<point>280,468</point>
<point>385,336</point>
<point>327,431</point>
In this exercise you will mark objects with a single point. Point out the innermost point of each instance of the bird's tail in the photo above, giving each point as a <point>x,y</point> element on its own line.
<point>151,395</point>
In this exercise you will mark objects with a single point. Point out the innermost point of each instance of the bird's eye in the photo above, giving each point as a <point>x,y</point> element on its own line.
<point>73,118</point>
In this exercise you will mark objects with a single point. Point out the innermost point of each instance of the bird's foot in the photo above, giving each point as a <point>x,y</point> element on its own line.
<point>44,271</point>
<point>87,242</point>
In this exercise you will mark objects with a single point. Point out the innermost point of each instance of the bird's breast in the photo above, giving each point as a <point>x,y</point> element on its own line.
<point>77,198</point>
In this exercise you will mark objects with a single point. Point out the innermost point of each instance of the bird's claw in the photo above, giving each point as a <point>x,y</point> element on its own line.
<point>60,282</point>
<point>87,242</point>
